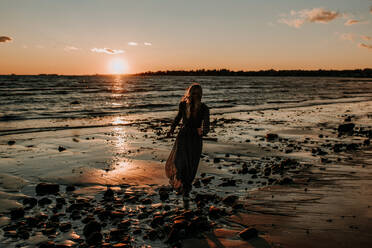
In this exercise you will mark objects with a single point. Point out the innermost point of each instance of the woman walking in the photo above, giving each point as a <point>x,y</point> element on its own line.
<point>182,163</point>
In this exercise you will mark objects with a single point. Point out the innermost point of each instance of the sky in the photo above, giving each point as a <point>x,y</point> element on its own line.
<point>130,36</point>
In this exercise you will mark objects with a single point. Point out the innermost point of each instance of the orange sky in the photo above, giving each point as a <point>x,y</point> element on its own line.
<point>84,37</point>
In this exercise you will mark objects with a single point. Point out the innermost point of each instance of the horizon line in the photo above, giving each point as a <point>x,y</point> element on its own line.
<point>192,71</point>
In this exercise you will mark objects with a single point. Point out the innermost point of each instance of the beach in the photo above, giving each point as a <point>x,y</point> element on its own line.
<point>288,162</point>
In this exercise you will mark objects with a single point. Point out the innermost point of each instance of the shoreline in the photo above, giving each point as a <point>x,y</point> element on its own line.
<point>233,165</point>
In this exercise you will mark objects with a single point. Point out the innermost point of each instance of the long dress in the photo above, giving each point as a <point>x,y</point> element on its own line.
<point>182,163</point>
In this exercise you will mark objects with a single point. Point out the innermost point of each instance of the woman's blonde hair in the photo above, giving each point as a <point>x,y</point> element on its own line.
<point>192,98</point>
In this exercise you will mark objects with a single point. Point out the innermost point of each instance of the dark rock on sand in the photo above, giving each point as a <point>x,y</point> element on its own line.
<point>92,227</point>
<point>216,160</point>
<point>32,221</point>
<point>146,201</point>
<point>11,142</point>
<point>249,233</point>
<point>64,227</point>
<point>117,234</point>
<point>23,233</point>
<point>346,128</point>
<point>109,194</point>
<point>271,136</point>
<point>17,213</point>
<point>47,244</point>
<point>70,188</point>
<point>44,201</point>
<point>207,180</point>
<point>228,182</point>
<point>158,220</point>
<point>61,148</point>
<point>366,142</point>
<point>163,194</point>
<point>214,212</point>
<point>47,188</point>
<point>285,181</point>
<point>230,200</point>
<point>94,238</point>
<point>125,224</point>
<point>29,202</point>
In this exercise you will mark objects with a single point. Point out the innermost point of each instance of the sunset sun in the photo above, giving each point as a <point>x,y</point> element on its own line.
<point>118,66</point>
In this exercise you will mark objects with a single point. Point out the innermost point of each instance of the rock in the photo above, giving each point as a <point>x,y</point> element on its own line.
<point>163,194</point>
<point>109,194</point>
<point>366,142</point>
<point>11,142</point>
<point>47,244</point>
<point>271,136</point>
<point>29,202</point>
<point>196,183</point>
<point>32,221</point>
<point>75,102</point>
<point>152,234</point>
<point>214,212</point>
<point>230,200</point>
<point>44,201</point>
<point>121,245</point>
<point>49,231</point>
<point>346,128</point>
<point>285,181</point>
<point>61,148</point>
<point>207,180</point>
<point>94,238</point>
<point>252,171</point>
<point>23,234</point>
<point>125,224</point>
<point>244,169</point>
<point>91,227</point>
<point>146,201</point>
<point>64,227</point>
<point>158,220</point>
<point>228,182</point>
<point>70,188</point>
<point>216,160</point>
<point>352,147</point>
<point>61,201</point>
<point>249,233</point>
<point>205,197</point>
<point>267,171</point>
<point>117,234</point>
<point>17,213</point>
<point>47,188</point>
<point>117,214</point>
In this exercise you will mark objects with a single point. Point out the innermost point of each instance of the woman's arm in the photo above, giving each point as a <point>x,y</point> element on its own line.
<point>176,120</point>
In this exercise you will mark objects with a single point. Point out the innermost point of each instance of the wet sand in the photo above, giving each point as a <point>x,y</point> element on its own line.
<point>296,189</point>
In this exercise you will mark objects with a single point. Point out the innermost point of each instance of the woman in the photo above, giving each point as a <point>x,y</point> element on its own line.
<point>182,164</point>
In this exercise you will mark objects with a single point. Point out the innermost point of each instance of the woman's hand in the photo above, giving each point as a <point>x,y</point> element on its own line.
<point>200,131</point>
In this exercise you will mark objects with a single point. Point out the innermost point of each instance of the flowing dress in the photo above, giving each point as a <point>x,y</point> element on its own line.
<point>182,163</point>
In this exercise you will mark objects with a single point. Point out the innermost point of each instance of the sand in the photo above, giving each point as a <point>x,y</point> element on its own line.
<point>326,202</point>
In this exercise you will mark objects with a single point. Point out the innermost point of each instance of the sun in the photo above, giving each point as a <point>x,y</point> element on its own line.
<point>118,66</point>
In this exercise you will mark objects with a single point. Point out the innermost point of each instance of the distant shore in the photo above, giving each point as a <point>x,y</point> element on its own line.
<point>358,73</point>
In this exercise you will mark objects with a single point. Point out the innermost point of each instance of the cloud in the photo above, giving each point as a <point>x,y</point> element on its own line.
<point>147,43</point>
<point>351,22</point>
<point>106,50</point>
<point>315,15</point>
<point>349,37</point>
<point>362,45</point>
<point>4,39</point>
<point>365,37</point>
<point>70,48</point>
<point>132,43</point>
<point>296,23</point>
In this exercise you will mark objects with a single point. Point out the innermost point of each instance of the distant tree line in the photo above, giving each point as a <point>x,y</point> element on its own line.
<point>366,73</point>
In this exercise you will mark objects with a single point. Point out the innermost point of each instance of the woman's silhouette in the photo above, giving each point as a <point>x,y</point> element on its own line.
<point>182,163</point>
